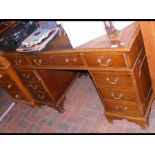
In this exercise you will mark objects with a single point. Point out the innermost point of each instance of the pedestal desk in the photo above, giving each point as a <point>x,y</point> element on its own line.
<point>117,66</point>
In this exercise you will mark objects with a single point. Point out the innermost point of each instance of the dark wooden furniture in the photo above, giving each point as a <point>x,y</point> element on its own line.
<point>119,71</point>
<point>33,86</point>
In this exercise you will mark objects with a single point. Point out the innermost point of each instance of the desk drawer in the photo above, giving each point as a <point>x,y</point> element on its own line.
<point>105,61</point>
<point>27,75</point>
<point>125,108</point>
<point>42,97</point>
<point>13,90</point>
<point>3,77</point>
<point>17,61</point>
<point>11,87</point>
<point>113,79</point>
<point>118,94</point>
<point>33,87</point>
<point>57,60</point>
<point>18,96</point>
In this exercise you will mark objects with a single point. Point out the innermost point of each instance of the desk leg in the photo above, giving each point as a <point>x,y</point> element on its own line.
<point>60,107</point>
<point>110,119</point>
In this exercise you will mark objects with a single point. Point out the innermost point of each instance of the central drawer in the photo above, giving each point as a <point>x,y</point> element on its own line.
<point>56,60</point>
<point>118,94</point>
<point>113,79</point>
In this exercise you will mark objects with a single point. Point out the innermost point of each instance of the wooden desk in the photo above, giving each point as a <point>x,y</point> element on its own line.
<point>120,74</point>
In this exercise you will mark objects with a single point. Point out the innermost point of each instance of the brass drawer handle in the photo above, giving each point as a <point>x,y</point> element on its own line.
<point>107,62</point>
<point>75,60</point>
<point>9,86</point>
<point>1,75</point>
<point>67,60</point>
<point>119,97</point>
<point>115,82</point>
<point>26,76</point>
<point>34,87</point>
<point>17,96</point>
<point>17,62</point>
<point>121,108</point>
<point>41,97</point>
<point>38,62</point>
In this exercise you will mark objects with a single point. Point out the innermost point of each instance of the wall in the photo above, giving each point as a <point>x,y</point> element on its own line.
<point>81,32</point>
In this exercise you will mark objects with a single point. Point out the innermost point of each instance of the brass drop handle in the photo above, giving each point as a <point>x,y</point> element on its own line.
<point>67,60</point>
<point>119,97</point>
<point>18,62</point>
<point>107,61</point>
<point>41,97</point>
<point>17,96</point>
<point>114,82</point>
<point>38,62</point>
<point>75,59</point>
<point>34,86</point>
<point>9,86</point>
<point>26,76</point>
<point>121,108</point>
<point>1,75</point>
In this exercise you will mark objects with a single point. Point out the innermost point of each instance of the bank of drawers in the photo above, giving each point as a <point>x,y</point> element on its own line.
<point>34,85</point>
<point>45,60</point>
<point>96,60</point>
<point>100,60</point>
<point>118,92</point>
<point>11,87</point>
<point>118,89</point>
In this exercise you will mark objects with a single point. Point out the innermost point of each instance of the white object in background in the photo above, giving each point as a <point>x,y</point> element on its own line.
<point>80,32</point>
<point>36,37</point>
<point>7,111</point>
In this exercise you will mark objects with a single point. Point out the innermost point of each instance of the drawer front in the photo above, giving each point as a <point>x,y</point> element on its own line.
<point>33,87</point>
<point>17,61</point>
<point>118,94</point>
<point>113,79</point>
<point>3,77</point>
<point>105,61</point>
<point>13,90</point>
<point>27,75</point>
<point>42,97</point>
<point>123,108</point>
<point>11,87</point>
<point>18,96</point>
<point>71,60</point>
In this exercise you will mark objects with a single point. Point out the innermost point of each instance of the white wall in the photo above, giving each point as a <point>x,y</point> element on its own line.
<point>81,32</point>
